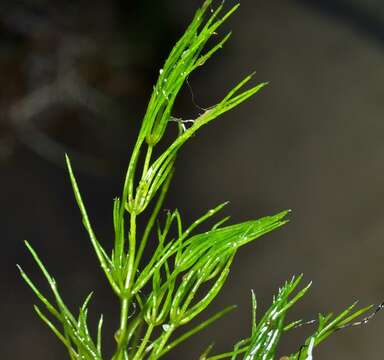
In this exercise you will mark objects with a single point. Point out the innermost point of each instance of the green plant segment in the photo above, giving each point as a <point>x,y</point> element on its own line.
<point>187,269</point>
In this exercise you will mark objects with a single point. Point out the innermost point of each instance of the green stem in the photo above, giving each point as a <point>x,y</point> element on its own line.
<point>134,333</point>
<point>134,329</point>
<point>126,296</point>
<point>127,195</point>
<point>156,353</point>
<point>147,160</point>
<point>144,342</point>
<point>131,257</point>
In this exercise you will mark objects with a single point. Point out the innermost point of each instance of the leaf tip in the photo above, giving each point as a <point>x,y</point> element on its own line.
<point>28,245</point>
<point>236,6</point>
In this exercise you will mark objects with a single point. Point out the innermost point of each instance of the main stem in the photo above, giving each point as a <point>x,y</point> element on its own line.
<point>126,295</point>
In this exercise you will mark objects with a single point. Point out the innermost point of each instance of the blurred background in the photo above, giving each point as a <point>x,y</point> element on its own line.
<point>76,76</point>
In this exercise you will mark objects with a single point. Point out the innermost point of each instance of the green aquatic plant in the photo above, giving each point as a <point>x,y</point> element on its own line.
<point>187,269</point>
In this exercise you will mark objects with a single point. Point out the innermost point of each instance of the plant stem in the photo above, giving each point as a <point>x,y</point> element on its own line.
<point>134,333</point>
<point>126,296</point>
<point>128,182</point>
<point>156,353</point>
<point>147,159</point>
<point>131,256</point>
<point>144,342</point>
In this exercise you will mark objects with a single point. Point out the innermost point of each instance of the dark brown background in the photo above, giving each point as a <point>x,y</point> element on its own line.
<point>311,141</point>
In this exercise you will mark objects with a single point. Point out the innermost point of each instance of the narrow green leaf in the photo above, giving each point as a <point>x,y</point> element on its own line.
<point>53,328</point>
<point>41,297</point>
<point>206,352</point>
<point>105,262</point>
<point>99,334</point>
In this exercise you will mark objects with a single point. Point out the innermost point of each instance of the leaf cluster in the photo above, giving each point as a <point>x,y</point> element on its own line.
<point>266,333</point>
